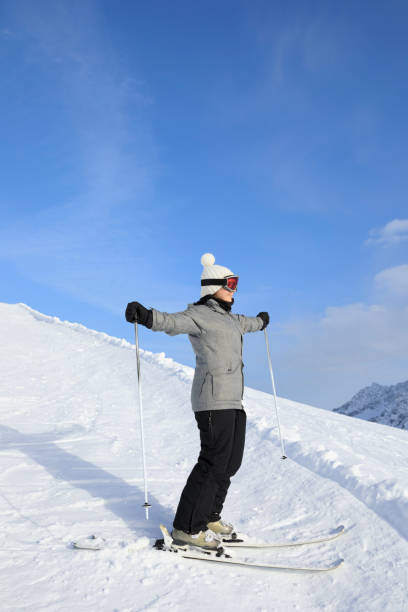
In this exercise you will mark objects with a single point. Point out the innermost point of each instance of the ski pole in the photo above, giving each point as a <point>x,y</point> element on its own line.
<point>274,393</point>
<point>146,505</point>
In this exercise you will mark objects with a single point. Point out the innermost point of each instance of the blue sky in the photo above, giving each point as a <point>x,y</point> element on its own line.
<point>138,135</point>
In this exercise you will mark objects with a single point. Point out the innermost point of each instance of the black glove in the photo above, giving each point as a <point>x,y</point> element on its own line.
<point>136,312</point>
<point>265,318</point>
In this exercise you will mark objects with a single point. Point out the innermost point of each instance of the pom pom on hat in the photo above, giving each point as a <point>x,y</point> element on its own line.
<point>212,271</point>
<point>207,259</point>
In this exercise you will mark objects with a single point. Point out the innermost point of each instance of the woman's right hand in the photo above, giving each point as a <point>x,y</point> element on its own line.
<point>137,313</point>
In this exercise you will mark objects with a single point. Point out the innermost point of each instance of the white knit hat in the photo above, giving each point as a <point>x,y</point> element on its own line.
<point>212,271</point>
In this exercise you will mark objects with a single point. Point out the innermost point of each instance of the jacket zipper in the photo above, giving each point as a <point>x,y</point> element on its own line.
<point>210,422</point>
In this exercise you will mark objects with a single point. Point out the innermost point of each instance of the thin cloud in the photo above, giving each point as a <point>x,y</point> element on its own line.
<point>78,244</point>
<point>310,43</point>
<point>323,360</point>
<point>100,97</point>
<point>394,232</point>
<point>350,337</point>
<point>394,281</point>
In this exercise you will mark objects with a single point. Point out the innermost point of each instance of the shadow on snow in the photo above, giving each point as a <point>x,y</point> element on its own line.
<point>120,498</point>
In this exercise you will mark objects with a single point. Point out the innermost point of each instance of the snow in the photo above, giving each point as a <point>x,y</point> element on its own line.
<point>70,461</point>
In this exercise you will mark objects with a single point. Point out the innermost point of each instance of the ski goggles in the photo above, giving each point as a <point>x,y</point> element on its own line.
<point>230,283</point>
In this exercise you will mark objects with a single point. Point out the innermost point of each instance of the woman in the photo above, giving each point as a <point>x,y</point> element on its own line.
<point>216,397</point>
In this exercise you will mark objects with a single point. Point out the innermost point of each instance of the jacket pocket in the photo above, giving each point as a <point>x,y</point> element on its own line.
<point>227,383</point>
<point>205,380</point>
<point>201,387</point>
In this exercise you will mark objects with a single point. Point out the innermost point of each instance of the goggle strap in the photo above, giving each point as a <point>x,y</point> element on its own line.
<point>213,281</point>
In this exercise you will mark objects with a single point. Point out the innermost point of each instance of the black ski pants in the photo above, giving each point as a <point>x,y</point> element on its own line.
<point>222,436</point>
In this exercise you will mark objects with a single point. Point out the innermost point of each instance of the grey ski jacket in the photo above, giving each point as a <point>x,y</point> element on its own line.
<point>216,336</point>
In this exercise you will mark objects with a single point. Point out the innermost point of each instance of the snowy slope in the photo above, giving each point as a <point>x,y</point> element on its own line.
<point>380,404</point>
<point>70,465</point>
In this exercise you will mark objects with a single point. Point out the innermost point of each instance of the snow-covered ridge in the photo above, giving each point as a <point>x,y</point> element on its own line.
<point>320,447</point>
<point>70,466</point>
<point>317,448</point>
<point>182,371</point>
<point>380,404</point>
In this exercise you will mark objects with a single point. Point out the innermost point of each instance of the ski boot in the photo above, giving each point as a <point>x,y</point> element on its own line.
<point>221,528</point>
<point>203,539</point>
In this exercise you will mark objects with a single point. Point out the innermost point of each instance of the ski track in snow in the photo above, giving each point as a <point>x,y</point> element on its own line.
<point>371,484</point>
<point>70,466</point>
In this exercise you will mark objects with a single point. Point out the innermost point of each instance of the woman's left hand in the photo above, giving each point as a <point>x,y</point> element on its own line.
<point>265,318</point>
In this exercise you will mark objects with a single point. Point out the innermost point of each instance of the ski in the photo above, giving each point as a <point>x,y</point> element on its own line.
<point>242,541</point>
<point>219,556</point>
<point>94,542</point>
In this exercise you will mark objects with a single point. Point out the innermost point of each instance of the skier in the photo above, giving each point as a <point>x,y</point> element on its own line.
<point>216,396</point>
